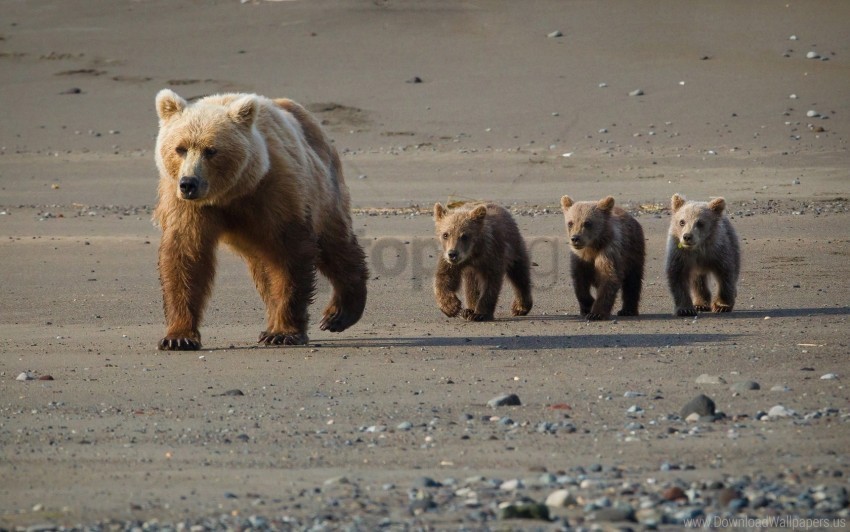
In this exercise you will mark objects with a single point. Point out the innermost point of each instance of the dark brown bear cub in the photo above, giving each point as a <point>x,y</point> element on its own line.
<point>481,244</point>
<point>608,254</point>
<point>702,241</point>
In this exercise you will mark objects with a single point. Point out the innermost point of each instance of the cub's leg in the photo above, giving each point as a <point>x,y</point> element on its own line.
<point>631,292</point>
<point>490,284</point>
<point>186,272</point>
<point>679,281</point>
<point>583,275</point>
<point>726,292</point>
<point>701,292</point>
<point>471,291</point>
<point>343,262</point>
<point>446,283</point>
<point>519,275</point>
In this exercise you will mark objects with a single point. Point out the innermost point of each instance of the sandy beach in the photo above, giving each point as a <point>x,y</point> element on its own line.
<point>387,425</point>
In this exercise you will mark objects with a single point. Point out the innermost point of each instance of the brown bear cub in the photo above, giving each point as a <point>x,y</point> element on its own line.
<point>262,177</point>
<point>608,252</point>
<point>481,244</point>
<point>702,241</point>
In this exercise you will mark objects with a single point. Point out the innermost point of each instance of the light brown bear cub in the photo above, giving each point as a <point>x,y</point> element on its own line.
<point>608,252</point>
<point>481,244</point>
<point>262,177</point>
<point>702,241</point>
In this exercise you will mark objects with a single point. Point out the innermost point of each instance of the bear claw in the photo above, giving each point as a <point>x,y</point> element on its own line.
<point>687,311</point>
<point>595,316</point>
<point>270,338</point>
<point>178,344</point>
<point>625,312</point>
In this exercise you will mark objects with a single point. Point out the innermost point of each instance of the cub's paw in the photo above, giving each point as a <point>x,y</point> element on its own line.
<point>702,307</point>
<point>720,307</point>
<point>272,338</point>
<point>625,312</point>
<point>178,343</point>
<point>687,311</point>
<point>467,314</point>
<point>518,309</point>
<point>596,316</point>
<point>450,307</point>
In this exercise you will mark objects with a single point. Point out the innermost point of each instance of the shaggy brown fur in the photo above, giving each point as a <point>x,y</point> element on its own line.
<point>481,244</point>
<point>260,176</point>
<point>608,252</point>
<point>702,241</point>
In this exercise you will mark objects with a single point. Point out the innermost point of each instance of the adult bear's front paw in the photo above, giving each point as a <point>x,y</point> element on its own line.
<point>279,338</point>
<point>179,343</point>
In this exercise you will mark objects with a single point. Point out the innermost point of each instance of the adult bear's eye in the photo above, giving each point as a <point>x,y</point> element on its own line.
<point>681,223</point>
<point>210,152</point>
<point>181,151</point>
<point>570,225</point>
<point>445,236</point>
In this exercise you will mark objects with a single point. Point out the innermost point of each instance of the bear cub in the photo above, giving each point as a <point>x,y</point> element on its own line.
<point>702,241</point>
<point>481,244</point>
<point>260,176</point>
<point>608,252</point>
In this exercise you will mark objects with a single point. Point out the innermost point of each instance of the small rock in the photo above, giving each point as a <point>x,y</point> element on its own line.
<point>812,55</point>
<point>524,511</point>
<point>632,395</point>
<point>414,79</point>
<point>46,378</point>
<point>727,495</point>
<point>234,392</point>
<point>693,417</point>
<point>560,499</point>
<point>780,411</point>
<point>674,493</point>
<point>404,425</point>
<point>508,399</point>
<point>615,514</point>
<point>426,482</point>
<point>744,386</point>
<point>555,34</point>
<point>701,405</point>
<point>25,376</point>
<point>780,388</point>
<point>829,377</point>
<point>811,113</point>
<point>72,90</point>
<point>511,485</point>
<point>705,378</point>
<point>636,92</point>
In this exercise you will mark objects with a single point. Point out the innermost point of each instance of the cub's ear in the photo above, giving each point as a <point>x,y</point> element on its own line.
<point>439,212</point>
<point>566,203</point>
<point>168,104</point>
<point>717,205</point>
<point>478,213</point>
<point>605,204</point>
<point>677,202</point>
<point>244,110</point>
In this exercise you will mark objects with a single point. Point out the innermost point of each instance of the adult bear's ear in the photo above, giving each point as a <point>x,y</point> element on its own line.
<point>244,110</point>
<point>168,104</point>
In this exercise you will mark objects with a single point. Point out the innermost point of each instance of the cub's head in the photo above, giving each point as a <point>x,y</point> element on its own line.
<point>459,231</point>
<point>693,222</point>
<point>208,152</point>
<point>586,221</point>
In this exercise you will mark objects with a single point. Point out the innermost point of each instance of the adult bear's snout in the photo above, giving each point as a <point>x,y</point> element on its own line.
<point>190,187</point>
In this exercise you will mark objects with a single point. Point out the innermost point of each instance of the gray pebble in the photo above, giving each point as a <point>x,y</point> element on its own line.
<point>705,378</point>
<point>701,405</point>
<point>636,92</point>
<point>555,34</point>
<point>744,386</point>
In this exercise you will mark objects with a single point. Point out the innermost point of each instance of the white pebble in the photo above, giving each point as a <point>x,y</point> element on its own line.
<point>811,113</point>
<point>792,38</point>
<point>829,377</point>
<point>793,96</point>
<point>813,55</point>
<point>25,376</point>
<point>780,411</point>
<point>636,92</point>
